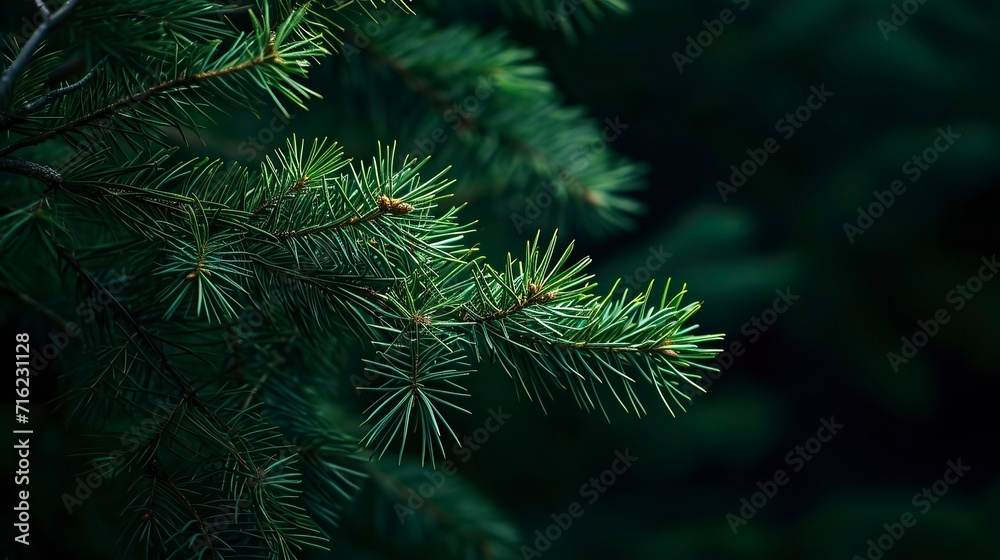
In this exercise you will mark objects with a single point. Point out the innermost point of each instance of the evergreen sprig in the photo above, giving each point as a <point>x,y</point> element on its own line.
<point>540,320</point>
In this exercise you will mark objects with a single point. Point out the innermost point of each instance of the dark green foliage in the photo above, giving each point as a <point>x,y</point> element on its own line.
<point>230,292</point>
<point>507,116</point>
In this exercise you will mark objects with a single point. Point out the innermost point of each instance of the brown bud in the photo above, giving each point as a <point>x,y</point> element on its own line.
<point>665,349</point>
<point>393,205</point>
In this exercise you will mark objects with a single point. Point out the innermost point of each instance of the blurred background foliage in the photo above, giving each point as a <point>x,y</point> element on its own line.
<point>783,229</point>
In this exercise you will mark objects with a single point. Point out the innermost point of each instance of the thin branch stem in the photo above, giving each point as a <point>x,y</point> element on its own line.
<point>32,170</point>
<point>43,100</point>
<point>274,201</point>
<point>202,526</point>
<point>253,391</point>
<point>386,205</point>
<point>181,382</point>
<point>353,220</point>
<point>535,296</point>
<point>660,348</point>
<point>23,57</point>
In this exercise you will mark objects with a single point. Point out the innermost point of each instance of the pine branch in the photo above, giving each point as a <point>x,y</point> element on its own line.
<point>446,68</point>
<point>181,383</point>
<point>248,288</point>
<point>540,320</point>
<point>547,330</point>
<point>193,75</point>
<point>49,22</point>
<point>43,100</point>
<point>170,86</point>
<point>420,372</point>
<point>154,27</point>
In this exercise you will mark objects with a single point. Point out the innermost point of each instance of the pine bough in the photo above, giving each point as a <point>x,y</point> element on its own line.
<point>244,286</point>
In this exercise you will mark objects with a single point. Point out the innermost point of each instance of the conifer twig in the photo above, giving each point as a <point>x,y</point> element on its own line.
<point>44,99</point>
<point>21,62</point>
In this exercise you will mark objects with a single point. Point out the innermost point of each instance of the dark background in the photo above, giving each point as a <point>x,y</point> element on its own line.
<point>827,354</point>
